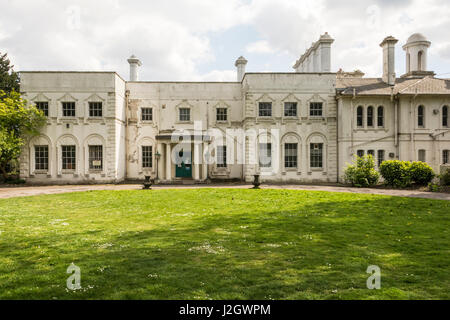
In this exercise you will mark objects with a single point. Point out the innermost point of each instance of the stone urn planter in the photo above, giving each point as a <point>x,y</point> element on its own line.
<point>256,182</point>
<point>148,183</point>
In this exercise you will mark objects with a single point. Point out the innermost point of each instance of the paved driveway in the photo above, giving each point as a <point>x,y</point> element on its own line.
<point>35,190</point>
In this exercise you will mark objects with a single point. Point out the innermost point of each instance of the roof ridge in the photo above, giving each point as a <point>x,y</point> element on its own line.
<point>413,84</point>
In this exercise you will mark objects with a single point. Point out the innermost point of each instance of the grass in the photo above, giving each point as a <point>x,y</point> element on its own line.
<point>223,244</point>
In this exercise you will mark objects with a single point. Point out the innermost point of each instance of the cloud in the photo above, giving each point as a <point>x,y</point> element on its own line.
<point>173,38</point>
<point>262,46</point>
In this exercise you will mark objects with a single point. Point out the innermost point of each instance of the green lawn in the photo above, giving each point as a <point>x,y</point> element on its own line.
<point>223,244</point>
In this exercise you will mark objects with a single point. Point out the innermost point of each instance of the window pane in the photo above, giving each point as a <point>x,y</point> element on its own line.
<point>147,114</point>
<point>68,109</point>
<point>371,153</point>
<point>95,157</point>
<point>221,156</point>
<point>290,155</point>
<point>380,117</point>
<point>359,116</point>
<point>360,153</point>
<point>316,155</point>
<point>41,157</point>
<point>315,109</point>
<point>147,156</point>
<point>185,114</point>
<point>445,116</point>
<point>68,157</point>
<point>420,116</point>
<point>265,109</point>
<point>290,109</point>
<point>265,155</point>
<point>445,156</point>
<point>422,155</point>
<point>43,106</point>
<point>380,157</point>
<point>221,114</point>
<point>370,116</point>
<point>95,109</point>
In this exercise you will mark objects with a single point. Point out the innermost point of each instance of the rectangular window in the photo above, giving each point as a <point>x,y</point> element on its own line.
<point>360,153</point>
<point>95,109</point>
<point>265,109</point>
<point>422,155</point>
<point>380,157</point>
<point>43,106</point>
<point>95,157</point>
<point>290,109</point>
<point>41,158</point>
<point>290,155</point>
<point>147,114</point>
<point>371,153</point>
<point>185,114</point>
<point>147,157</point>
<point>221,114</point>
<point>315,109</point>
<point>68,157</point>
<point>445,156</point>
<point>316,155</point>
<point>265,155</point>
<point>68,109</point>
<point>221,157</point>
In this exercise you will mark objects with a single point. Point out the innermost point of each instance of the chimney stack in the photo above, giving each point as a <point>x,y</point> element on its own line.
<point>318,57</point>
<point>134,64</point>
<point>240,65</point>
<point>388,46</point>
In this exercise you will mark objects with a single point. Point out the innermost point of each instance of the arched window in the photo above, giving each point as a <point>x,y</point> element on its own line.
<point>380,116</point>
<point>445,116</point>
<point>359,116</point>
<point>370,116</point>
<point>419,60</point>
<point>420,116</point>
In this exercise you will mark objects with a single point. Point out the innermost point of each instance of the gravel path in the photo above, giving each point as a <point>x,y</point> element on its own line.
<point>35,190</point>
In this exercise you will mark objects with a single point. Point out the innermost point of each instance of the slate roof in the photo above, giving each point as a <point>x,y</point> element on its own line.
<point>376,86</point>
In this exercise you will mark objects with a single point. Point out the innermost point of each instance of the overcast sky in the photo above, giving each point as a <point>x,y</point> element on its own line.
<point>200,39</point>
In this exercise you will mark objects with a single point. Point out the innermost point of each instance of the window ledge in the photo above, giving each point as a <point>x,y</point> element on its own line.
<point>40,172</point>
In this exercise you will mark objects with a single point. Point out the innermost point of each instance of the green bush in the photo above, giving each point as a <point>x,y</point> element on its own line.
<point>362,172</point>
<point>421,173</point>
<point>396,173</point>
<point>445,178</point>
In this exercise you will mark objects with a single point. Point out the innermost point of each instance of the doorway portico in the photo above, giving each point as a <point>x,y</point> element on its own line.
<point>182,161</point>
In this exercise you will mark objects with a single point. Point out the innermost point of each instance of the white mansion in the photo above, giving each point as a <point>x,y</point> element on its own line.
<point>302,126</point>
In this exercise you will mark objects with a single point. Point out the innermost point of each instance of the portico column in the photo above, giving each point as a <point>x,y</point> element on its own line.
<point>204,162</point>
<point>168,162</point>
<point>160,150</point>
<point>196,161</point>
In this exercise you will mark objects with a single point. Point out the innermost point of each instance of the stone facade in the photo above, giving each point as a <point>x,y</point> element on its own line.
<point>307,124</point>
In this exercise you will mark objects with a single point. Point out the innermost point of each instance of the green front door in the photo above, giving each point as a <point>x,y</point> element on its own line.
<point>184,169</point>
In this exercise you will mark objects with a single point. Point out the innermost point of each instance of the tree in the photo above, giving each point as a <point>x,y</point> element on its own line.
<point>19,121</point>
<point>9,80</point>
